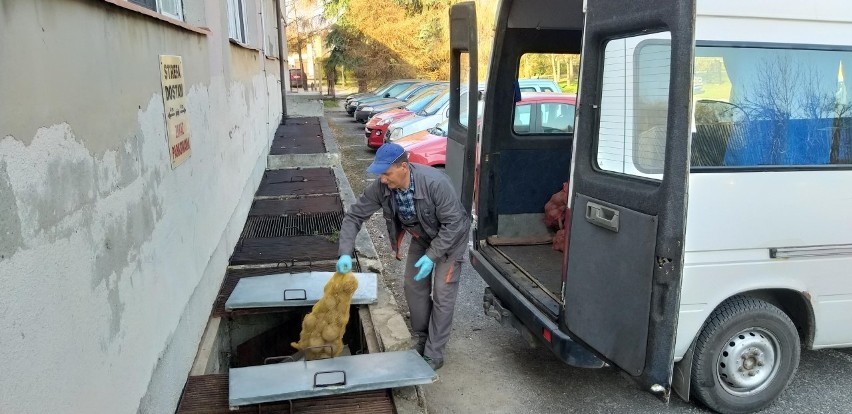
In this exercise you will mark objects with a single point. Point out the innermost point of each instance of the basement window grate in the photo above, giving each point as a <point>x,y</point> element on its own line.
<point>293,225</point>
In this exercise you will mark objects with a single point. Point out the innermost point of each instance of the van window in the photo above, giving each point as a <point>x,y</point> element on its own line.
<point>546,72</point>
<point>551,72</point>
<point>771,108</point>
<point>634,104</point>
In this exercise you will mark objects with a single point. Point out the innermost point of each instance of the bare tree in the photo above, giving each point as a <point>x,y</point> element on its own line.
<point>785,91</point>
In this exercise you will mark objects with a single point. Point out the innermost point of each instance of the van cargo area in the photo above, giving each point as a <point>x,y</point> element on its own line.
<point>518,243</point>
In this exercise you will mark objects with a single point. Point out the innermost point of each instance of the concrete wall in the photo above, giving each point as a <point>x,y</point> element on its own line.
<point>109,258</point>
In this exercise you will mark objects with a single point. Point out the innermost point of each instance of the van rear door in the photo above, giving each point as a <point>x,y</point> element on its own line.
<point>628,185</point>
<point>462,126</point>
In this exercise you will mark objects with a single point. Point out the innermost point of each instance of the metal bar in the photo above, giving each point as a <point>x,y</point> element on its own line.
<point>279,382</point>
<point>810,251</point>
<point>282,60</point>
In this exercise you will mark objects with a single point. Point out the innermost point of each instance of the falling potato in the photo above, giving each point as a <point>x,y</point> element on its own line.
<point>323,328</point>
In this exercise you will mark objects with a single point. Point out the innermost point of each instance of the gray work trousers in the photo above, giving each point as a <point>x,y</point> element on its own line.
<point>431,301</point>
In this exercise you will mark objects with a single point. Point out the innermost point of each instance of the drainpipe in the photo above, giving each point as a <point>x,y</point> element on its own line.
<point>285,75</point>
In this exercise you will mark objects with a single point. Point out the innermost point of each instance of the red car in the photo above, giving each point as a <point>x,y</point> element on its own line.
<point>431,150</point>
<point>554,114</point>
<point>377,128</point>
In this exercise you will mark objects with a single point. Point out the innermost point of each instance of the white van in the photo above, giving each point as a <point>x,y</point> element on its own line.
<point>710,170</point>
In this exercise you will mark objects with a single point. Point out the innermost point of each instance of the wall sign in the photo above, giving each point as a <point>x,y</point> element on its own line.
<point>174,103</point>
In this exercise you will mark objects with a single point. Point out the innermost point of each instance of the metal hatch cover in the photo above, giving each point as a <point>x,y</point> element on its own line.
<point>297,289</point>
<point>340,375</point>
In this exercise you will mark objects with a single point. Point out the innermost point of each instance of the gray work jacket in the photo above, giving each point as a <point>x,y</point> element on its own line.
<point>439,211</point>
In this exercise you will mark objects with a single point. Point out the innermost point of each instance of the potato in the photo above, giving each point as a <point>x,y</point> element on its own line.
<point>326,323</point>
<point>330,333</point>
<point>309,322</point>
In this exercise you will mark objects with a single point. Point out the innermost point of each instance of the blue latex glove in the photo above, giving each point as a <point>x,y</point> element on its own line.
<point>425,264</point>
<point>344,264</point>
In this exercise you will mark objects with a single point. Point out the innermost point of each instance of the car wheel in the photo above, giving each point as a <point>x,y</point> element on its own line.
<point>745,356</point>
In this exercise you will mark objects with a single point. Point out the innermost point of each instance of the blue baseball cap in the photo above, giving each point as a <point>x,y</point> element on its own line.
<point>385,156</point>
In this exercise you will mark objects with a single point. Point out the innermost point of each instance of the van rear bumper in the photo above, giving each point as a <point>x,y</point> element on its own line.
<point>503,301</point>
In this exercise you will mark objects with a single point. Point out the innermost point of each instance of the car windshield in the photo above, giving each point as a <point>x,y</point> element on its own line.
<point>383,88</point>
<point>435,105</point>
<point>419,101</point>
<point>409,91</point>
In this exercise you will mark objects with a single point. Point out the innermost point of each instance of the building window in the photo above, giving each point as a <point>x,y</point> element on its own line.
<point>170,8</point>
<point>237,21</point>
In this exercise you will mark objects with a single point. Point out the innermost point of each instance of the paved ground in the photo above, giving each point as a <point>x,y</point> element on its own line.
<point>491,369</point>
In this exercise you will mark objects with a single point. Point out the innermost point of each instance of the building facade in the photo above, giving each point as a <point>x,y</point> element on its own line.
<point>132,138</point>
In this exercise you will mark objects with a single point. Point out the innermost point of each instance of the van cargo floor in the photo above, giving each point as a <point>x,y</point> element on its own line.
<point>540,261</point>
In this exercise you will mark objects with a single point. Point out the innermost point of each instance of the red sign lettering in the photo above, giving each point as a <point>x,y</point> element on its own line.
<point>180,148</point>
<point>179,130</point>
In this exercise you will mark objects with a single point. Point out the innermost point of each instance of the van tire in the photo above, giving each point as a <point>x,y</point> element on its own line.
<point>745,356</point>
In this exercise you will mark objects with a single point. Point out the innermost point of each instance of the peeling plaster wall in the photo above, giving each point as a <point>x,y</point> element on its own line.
<point>110,259</point>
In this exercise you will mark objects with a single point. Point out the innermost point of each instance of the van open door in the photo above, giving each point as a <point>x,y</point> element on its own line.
<point>628,187</point>
<point>461,134</point>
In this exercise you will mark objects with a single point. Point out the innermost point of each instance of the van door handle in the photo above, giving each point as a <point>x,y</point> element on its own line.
<point>602,216</point>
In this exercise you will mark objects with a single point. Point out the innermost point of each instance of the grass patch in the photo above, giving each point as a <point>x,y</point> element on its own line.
<point>329,103</point>
<point>334,237</point>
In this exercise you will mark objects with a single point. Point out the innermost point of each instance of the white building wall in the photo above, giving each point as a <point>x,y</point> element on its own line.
<point>110,259</point>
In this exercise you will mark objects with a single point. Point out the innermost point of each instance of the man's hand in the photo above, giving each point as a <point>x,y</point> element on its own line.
<point>425,264</point>
<point>344,264</point>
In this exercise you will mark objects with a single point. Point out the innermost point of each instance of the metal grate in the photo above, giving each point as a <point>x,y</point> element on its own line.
<point>298,136</point>
<point>292,225</point>
<point>297,182</point>
<point>304,205</point>
<point>272,250</point>
<point>208,394</point>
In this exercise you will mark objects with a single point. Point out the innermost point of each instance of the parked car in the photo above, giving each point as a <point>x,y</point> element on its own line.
<point>538,85</point>
<point>553,114</point>
<point>376,91</point>
<point>393,89</point>
<point>377,127</point>
<point>370,107</point>
<point>434,113</point>
<point>427,147</point>
<point>296,78</point>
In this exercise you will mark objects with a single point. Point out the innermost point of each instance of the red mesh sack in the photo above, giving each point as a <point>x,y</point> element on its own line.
<point>559,240</point>
<point>554,210</point>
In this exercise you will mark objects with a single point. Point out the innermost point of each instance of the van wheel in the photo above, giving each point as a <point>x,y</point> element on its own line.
<point>745,356</point>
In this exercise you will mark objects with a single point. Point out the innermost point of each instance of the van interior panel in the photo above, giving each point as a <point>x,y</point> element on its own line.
<point>520,226</point>
<point>560,15</point>
<point>528,178</point>
<point>625,342</point>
